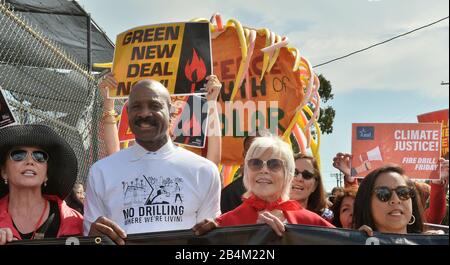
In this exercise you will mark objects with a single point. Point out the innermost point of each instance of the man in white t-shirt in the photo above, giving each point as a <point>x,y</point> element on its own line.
<point>153,185</point>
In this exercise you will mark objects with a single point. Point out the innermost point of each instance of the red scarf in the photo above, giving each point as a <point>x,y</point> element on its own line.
<point>260,204</point>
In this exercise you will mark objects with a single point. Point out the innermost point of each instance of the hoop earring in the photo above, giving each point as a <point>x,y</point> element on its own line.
<point>413,218</point>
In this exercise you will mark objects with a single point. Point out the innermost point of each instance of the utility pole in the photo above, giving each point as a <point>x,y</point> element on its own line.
<point>338,177</point>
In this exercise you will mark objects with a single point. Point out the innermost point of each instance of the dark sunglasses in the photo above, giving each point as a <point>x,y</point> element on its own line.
<point>384,194</point>
<point>305,174</point>
<point>20,155</point>
<point>272,164</point>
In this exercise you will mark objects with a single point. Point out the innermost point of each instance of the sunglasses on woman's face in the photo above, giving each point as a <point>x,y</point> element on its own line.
<point>20,155</point>
<point>384,193</point>
<point>305,174</point>
<point>256,164</point>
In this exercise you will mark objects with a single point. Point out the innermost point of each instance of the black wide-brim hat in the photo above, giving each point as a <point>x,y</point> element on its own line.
<point>62,163</point>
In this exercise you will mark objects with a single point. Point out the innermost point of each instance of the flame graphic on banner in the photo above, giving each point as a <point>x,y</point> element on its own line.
<point>195,70</point>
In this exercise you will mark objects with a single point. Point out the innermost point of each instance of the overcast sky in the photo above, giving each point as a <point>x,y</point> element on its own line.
<point>389,83</point>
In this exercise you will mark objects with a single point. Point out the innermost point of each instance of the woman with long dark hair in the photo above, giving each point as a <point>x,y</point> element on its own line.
<point>386,202</point>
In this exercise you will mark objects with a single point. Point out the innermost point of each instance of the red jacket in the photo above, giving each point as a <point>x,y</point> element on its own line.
<point>438,206</point>
<point>247,214</point>
<point>71,221</point>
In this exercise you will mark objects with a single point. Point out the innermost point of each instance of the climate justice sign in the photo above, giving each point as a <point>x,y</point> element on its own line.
<point>177,54</point>
<point>416,147</point>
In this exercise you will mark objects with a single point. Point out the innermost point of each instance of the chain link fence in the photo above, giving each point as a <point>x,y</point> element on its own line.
<point>45,85</point>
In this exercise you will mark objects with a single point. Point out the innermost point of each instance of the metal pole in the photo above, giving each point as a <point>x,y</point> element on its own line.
<point>89,52</point>
<point>95,113</point>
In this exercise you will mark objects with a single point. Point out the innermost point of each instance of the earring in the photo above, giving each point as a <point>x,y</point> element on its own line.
<point>45,183</point>
<point>413,220</point>
<point>6,181</point>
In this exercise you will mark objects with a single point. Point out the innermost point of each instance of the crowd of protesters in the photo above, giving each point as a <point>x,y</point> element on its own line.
<point>158,186</point>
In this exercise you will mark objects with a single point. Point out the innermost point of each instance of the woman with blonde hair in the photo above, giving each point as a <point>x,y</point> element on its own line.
<point>268,173</point>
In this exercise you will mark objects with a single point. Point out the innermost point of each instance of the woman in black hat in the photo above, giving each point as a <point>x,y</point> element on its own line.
<point>38,170</point>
